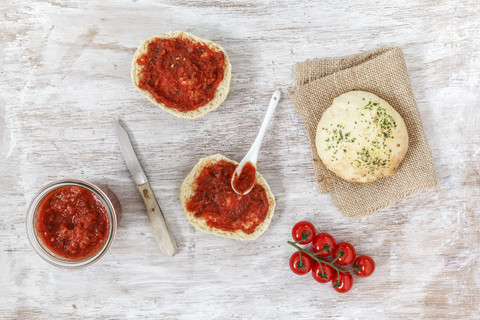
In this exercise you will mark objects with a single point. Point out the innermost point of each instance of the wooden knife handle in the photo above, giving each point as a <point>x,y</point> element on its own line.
<point>161,233</point>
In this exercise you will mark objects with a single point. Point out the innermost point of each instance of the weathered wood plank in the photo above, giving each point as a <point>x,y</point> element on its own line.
<point>65,70</point>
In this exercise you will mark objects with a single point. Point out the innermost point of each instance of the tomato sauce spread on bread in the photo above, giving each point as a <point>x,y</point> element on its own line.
<point>221,207</point>
<point>181,74</point>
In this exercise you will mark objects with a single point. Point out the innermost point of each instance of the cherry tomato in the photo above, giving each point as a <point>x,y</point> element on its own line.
<point>342,282</point>
<point>303,266</point>
<point>346,251</point>
<point>303,230</point>
<point>324,243</point>
<point>327,275</point>
<point>364,266</point>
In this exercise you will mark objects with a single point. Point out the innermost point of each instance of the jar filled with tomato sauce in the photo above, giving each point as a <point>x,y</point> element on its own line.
<point>71,223</point>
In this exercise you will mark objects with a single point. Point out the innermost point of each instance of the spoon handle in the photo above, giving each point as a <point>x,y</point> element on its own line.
<point>253,152</point>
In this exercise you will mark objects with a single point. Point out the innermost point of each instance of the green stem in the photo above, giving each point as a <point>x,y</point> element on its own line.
<point>318,259</point>
<point>335,260</point>
<point>325,248</point>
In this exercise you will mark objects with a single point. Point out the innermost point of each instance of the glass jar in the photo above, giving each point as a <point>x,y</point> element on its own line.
<point>39,246</point>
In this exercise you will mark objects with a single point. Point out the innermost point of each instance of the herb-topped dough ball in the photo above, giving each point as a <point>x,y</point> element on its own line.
<point>361,138</point>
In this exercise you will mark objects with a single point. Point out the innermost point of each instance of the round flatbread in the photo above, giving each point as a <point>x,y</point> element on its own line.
<point>188,189</point>
<point>221,91</point>
<point>361,138</point>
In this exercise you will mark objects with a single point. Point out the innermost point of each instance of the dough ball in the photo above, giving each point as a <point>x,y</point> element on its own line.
<point>361,138</point>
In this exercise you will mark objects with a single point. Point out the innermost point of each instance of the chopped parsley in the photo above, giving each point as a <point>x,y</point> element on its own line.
<point>375,155</point>
<point>338,139</point>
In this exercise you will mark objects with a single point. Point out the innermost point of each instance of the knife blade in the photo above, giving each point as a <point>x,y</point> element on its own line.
<point>161,233</point>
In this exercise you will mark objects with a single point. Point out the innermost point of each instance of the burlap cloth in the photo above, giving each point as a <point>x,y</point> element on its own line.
<point>384,73</point>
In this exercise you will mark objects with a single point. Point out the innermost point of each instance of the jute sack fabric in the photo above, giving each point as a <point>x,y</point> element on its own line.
<point>384,73</point>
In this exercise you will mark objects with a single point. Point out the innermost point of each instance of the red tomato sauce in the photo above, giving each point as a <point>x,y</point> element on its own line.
<point>180,74</point>
<point>221,207</point>
<point>73,222</point>
<point>246,179</point>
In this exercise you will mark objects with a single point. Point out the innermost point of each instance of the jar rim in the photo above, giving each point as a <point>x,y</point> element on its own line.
<point>38,245</point>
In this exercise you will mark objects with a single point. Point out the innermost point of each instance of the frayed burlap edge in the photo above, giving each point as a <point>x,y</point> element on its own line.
<point>328,70</point>
<point>383,205</point>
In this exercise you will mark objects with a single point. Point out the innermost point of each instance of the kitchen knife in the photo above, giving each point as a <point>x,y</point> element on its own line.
<point>161,233</point>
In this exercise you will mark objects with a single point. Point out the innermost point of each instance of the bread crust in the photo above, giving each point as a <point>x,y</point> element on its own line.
<point>365,118</point>
<point>220,93</point>
<point>187,191</point>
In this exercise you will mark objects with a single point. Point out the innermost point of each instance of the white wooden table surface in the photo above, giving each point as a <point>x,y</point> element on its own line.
<point>65,68</point>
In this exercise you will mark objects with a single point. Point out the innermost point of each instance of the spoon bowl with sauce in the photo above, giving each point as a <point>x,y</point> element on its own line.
<point>243,178</point>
